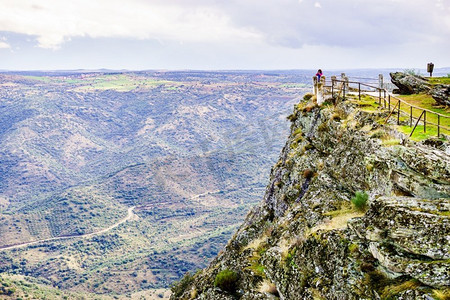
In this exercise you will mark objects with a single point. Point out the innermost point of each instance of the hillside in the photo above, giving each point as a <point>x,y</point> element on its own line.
<point>190,151</point>
<point>353,210</point>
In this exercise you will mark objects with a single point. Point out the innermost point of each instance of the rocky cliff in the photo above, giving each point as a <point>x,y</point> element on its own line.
<point>306,240</point>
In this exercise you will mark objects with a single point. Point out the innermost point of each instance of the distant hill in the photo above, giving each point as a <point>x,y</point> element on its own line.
<point>191,151</point>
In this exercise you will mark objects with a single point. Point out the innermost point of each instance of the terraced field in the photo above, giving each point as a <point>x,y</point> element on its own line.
<point>190,150</point>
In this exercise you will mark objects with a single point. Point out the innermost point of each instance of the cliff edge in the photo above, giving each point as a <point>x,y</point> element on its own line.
<point>314,236</point>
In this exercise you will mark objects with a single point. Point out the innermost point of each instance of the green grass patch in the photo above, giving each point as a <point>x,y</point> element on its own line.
<point>439,80</point>
<point>359,201</point>
<point>390,142</point>
<point>226,280</point>
<point>419,134</point>
<point>121,83</point>
<point>392,290</point>
<point>423,101</point>
<point>39,78</point>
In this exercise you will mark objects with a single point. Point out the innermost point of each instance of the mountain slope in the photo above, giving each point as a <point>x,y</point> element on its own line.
<point>305,240</point>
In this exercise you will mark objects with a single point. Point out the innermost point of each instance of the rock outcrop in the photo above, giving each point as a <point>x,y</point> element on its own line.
<point>441,94</point>
<point>409,84</point>
<point>413,84</point>
<point>306,241</point>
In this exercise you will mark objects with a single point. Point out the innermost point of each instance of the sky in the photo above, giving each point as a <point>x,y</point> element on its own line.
<point>223,34</point>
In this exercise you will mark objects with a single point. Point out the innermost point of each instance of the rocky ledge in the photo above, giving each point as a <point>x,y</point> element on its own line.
<point>408,84</point>
<point>306,240</point>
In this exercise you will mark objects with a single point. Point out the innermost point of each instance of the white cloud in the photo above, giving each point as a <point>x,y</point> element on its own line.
<point>4,45</point>
<point>203,26</point>
<point>53,21</point>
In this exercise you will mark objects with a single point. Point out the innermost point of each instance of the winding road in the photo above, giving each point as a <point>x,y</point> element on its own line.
<point>65,237</point>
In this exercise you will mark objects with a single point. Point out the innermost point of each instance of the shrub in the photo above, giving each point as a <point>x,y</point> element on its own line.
<point>322,127</point>
<point>336,117</point>
<point>179,287</point>
<point>226,280</point>
<point>292,117</point>
<point>412,72</point>
<point>360,200</point>
<point>309,96</point>
<point>308,173</point>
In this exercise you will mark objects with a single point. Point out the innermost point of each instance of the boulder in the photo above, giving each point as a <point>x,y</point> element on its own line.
<point>441,94</point>
<point>409,84</point>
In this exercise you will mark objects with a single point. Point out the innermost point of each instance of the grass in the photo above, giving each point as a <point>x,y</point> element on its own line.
<point>359,201</point>
<point>443,294</point>
<point>120,82</point>
<point>367,103</point>
<point>423,101</point>
<point>419,134</point>
<point>439,80</point>
<point>268,287</point>
<point>40,78</point>
<point>338,221</point>
<point>226,280</point>
<point>390,291</point>
<point>419,100</point>
<point>390,142</point>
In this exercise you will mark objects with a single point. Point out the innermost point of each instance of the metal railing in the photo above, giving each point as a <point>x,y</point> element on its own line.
<point>386,100</point>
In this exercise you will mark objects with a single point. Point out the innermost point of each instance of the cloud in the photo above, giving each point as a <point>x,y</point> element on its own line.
<point>54,22</point>
<point>4,44</point>
<point>281,23</point>
<point>345,23</point>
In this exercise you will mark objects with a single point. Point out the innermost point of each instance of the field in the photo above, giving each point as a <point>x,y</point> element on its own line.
<point>186,153</point>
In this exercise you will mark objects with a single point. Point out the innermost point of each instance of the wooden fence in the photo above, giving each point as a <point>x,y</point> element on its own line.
<point>386,100</point>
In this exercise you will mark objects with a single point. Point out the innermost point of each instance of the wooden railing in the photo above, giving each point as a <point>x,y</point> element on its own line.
<point>386,100</point>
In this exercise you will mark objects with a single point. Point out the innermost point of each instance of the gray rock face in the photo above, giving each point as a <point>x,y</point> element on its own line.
<point>412,84</point>
<point>409,84</point>
<point>305,241</point>
<point>441,93</point>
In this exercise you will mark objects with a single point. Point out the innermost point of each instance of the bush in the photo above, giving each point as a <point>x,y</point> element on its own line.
<point>179,287</point>
<point>336,117</point>
<point>412,72</point>
<point>360,200</point>
<point>307,96</point>
<point>226,280</point>
<point>308,173</point>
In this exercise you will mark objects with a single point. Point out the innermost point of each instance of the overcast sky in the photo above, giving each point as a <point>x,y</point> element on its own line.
<point>223,34</point>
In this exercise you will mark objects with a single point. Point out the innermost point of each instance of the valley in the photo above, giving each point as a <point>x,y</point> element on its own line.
<point>190,150</point>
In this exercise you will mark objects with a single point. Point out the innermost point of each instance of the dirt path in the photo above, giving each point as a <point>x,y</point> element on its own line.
<point>87,235</point>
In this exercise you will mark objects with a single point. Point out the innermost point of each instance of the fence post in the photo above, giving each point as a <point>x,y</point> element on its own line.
<point>359,90</point>
<point>439,123</point>
<point>410,117</point>
<point>379,96</point>
<point>425,121</point>
<point>398,114</point>
<point>332,87</point>
<point>343,91</point>
<point>389,102</point>
<point>315,81</point>
<point>380,81</point>
<point>321,90</point>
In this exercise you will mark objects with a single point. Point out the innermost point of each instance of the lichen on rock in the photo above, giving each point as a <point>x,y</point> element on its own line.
<point>306,241</point>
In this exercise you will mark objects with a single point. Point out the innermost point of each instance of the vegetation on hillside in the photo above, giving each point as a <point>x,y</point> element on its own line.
<point>190,150</point>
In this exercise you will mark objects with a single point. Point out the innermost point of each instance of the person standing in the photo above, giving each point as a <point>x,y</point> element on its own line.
<point>319,74</point>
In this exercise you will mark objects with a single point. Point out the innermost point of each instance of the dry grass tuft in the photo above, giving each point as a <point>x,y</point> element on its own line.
<point>268,287</point>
